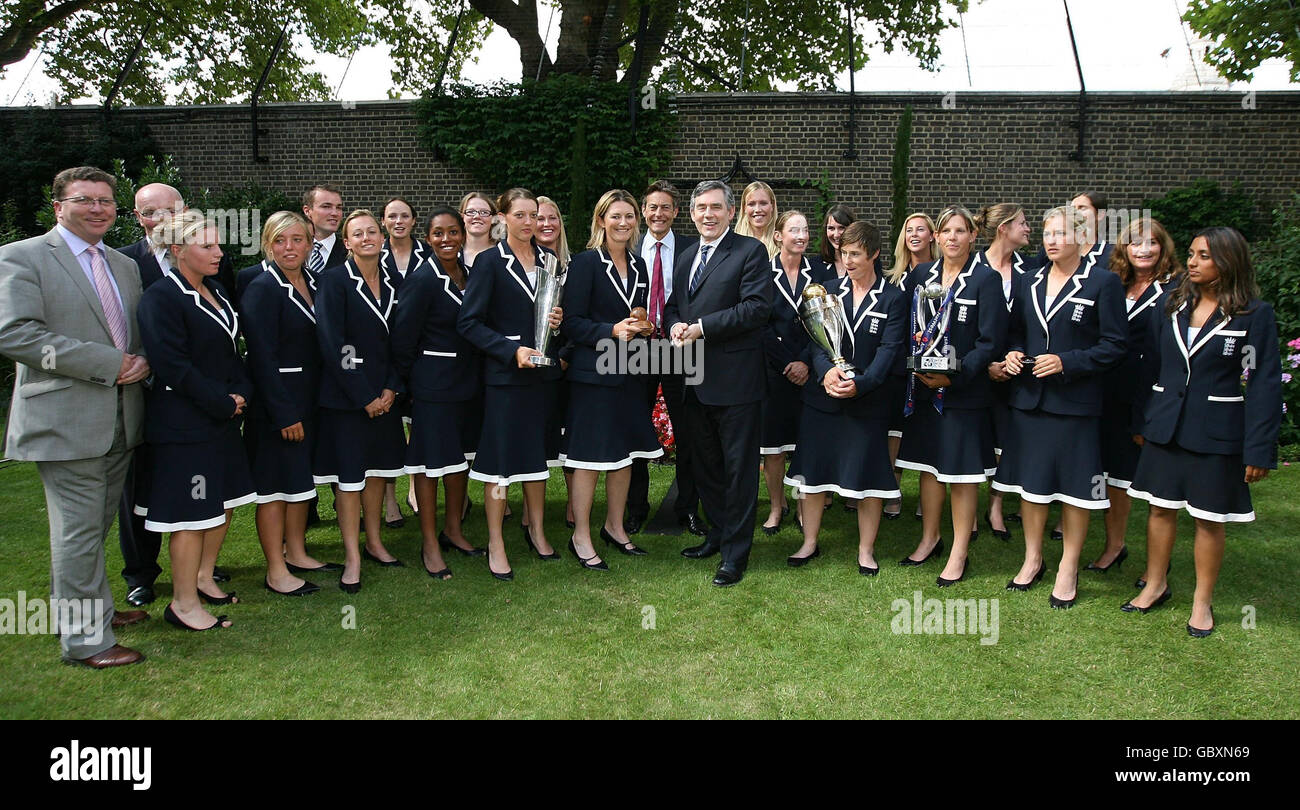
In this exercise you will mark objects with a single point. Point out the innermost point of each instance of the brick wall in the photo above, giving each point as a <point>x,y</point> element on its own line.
<point>971,148</point>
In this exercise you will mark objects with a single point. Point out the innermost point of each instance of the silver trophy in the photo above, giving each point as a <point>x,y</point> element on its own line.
<point>932,360</point>
<point>821,315</point>
<point>550,289</point>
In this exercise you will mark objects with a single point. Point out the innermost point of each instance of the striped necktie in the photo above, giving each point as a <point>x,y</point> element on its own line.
<point>699,270</point>
<point>108,298</point>
<point>317,261</point>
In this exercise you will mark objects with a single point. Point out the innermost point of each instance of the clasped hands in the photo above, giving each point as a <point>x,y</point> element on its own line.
<point>839,385</point>
<point>378,406</point>
<point>683,333</point>
<point>1045,365</point>
<point>134,369</point>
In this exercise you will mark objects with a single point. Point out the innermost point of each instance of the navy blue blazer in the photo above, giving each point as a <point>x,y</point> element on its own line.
<point>874,335</point>
<point>142,253</point>
<point>595,299</point>
<point>977,327</point>
<point>419,252</point>
<point>497,316</point>
<point>1200,384</point>
<point>1122,385</point>
<point>732,302</point>
<point>784,337</point>
<point>1086,327</point>
<point>196,366</point>
<point>352,329</point>
<point>437,362</point>
<point>283,350</point>
<point>1020,268</point>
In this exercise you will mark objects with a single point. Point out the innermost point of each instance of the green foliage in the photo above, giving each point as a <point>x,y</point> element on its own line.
<point>9,230</point>
<point>38,147</point>
<point>825,197</point>
<point>1277,269</point>
<point>898,175</point>
<point>1247,32</point>
<point>1184,211</point>
<point>566,137</point>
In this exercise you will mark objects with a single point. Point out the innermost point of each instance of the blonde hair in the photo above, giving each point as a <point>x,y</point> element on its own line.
<point>1075,221</point>
<point>783,220</point>
<point>278,223</point>
<point>605,203</point>
<point>181,229</point>
<point>360,213</point>
<point>903,256</point>
<point>744,228</point>
<point>562,252</point>
<point>992,217</point>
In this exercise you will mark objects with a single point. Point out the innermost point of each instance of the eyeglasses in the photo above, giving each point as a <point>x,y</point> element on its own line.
<point>480,213</point>
<point>90,202</point>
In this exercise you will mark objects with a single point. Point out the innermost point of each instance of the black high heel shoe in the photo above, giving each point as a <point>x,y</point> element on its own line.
<point>1115,563</point>
<point>1197,632</point>
<point>630,548</point>
<point>600,566</point>
<point>508,576</point>
<point>934,552</point>
<point>446,544</point>
<point>1064,604</point>
<point>444,574</point>
<point>771,530</point>
<point>528,538</point>
<point>1024,586</point>
<point>1129,607</point>
<point>798,562</point>
<point>948,583</point>
<point>867,571</point>
<point>1001,534</point>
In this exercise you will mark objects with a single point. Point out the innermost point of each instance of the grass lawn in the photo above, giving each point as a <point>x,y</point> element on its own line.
<point>563,642</point>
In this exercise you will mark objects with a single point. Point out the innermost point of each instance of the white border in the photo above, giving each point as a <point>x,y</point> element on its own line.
<point>1034,497</point>
<point>1231,517</point>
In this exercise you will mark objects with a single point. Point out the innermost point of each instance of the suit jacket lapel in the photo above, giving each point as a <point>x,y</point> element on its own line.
<point>363,290</point>
<point>846,304</point>
<point>1038,292</point>
<point>1212,327</point>
<point>289,290</point>
<point>516,271</point>
<point>63,254</point>
<point>778,278</point>
<point>611,272</point>
<point>716,256</point>
<point>1147,299</point>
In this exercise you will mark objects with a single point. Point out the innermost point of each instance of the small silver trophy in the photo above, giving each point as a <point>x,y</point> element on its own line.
<point>550,289</point>
<point>820,313</point>
<point>930,358</point>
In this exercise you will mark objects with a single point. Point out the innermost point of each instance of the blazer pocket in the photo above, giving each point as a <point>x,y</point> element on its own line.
<point>35,389</point>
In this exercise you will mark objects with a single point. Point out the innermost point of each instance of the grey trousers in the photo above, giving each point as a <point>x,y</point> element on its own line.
<point>82,499</point>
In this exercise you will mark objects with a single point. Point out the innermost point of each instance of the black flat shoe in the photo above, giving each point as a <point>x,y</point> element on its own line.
<point>573,525</point>
<point>444,574</point>
<point>447,545</point>
<point>1058,535</point>
<point>629,548</point>
<point>302,590</point>
<point>1196,632</point>
<point>228,599</point>
<point>888,515</point>
<point>394,563</point>
<point>350,587</point>
<point>600,566</point>
<point>1115,563</point>
<point>771,530</point>
<point>868,572</point>
<point>173,619</point>
<point>1129,607</point>
<point>934,552</point>
<point>528,538</point>
<point>799,562</point>
<point>1024,586</point>
<point>1001,534</point>
<point>1064,604</point>
<point>298,569</point>
<point>948,583</point>
<point>220,574</point>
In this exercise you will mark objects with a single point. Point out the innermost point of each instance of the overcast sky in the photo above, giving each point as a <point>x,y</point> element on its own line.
<point>1009,44</point>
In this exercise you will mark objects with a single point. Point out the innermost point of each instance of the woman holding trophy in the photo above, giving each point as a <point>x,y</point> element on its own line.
<point>958,326</point>
<point>857,324</point>
<point>510,313</point>
<point>609,421</point>
<point>783,344</point>
<point>1069,329</point>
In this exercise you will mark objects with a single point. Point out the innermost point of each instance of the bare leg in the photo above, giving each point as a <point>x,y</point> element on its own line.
<point>348,506</point>
<point>212,539</point>
<point>391,510</point>
<point>963,503</point>
<point>494,507</point>
<point>932,495</point>
<point>535,506</point>
<point>1208,550</point>
<point>372,500</point>
<point>894,505</point>
<point>186,550</point>
<point>1162,526</point>
<point>811,505</point>
<point>582,492</point>
<point>1033,517</point>
<point>1074,520</point>
<point>868,525</point>
<point>426,497</point>
<point>568,495</point>
<point>271,534</point>
<point>773,474</point>
<point>455,489</point>
<point>617,483</point>
<point>1116,525</point>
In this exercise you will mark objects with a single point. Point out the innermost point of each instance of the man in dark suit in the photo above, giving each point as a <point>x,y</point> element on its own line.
<point>722,295</point>
<point>322,204</point>
<point>659,247</point>
<point>154,203</point>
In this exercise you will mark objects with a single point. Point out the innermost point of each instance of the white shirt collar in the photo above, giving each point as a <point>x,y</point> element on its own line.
<point>715,242</point>
<point>327,246</point>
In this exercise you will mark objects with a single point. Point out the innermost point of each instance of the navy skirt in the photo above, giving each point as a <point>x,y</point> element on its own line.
<point>351,447</point>
<point>609,426</point>
<point>1209,486</point>
<point>894,390</point>
<point>844,454</point>
<point>518,433</point>
<point>440,433</point>
<point>1049,457</point>
<point>190,486</point>
<point>282,470</point>
<point>955,446</point>
<point>1119,454</point>
<point>781,409</point>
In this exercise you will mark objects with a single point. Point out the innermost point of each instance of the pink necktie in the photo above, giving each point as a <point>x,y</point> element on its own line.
<point>108,298</point>
<point>657,289</point>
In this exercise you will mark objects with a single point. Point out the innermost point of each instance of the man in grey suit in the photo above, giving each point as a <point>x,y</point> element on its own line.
<point>67,318</point>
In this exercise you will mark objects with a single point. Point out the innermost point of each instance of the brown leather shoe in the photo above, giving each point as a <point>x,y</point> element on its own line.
<point>115,656</point>
<point>124,617</point>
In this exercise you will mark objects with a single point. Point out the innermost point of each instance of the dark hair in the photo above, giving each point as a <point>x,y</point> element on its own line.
<point>398,198</point>
<point>67,177</point>
<point>309,196</point>
<point>861,232</point>
<point>1236,284</point>
<point>1098,200</point>
<point>444,211</point>
<point>842,214</point>
<point>662,187</point>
